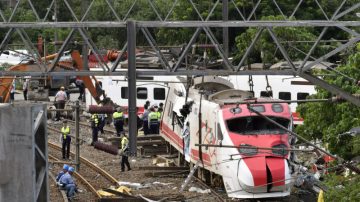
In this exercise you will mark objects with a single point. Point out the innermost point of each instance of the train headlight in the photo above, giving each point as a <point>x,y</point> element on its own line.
<point>247,150</point>
<point>280,149</point>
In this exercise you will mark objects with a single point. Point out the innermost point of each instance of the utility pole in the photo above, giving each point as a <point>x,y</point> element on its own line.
<point>131,39</point>
<point>77,131</point>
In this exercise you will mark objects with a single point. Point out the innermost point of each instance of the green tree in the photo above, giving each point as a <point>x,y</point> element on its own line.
<point>342,189</point>
<point>265,49</point>
<point>325,121</point>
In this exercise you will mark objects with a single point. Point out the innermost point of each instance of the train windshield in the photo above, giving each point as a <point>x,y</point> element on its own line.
<point>255,125</point>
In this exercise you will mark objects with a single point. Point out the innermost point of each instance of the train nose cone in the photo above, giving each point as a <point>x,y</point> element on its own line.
<point>261,174</point>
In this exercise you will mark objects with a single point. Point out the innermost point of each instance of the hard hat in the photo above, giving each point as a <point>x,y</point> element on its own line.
<point>71,169</point>
<point>62,88</point>
<point>65,167</point>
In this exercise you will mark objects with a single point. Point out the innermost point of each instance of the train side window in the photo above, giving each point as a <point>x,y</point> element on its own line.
<point>284,95</point>
<point>302,96</point>
<point>124,92</point>
<point>219,132</point>
<point>266,94</point>
<point>142,93</point>
<point>159,93</point>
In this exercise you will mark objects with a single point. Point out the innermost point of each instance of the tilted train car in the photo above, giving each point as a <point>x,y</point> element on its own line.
<point>254,167</point>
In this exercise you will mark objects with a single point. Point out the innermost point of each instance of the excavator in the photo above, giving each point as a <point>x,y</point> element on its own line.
<point>39,87</point>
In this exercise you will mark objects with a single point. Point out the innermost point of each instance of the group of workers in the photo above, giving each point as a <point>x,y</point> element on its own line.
<point>151,118</point>
<point>65,181</point>
<point>97,124</point>
<point>150,123</point>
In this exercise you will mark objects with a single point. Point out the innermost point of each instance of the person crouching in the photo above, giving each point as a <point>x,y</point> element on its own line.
<point>67,182</point>
<point>61,173</point>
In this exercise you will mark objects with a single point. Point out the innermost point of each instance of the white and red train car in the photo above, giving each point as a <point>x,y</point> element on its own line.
<point>246,170</point>
<point>148,88</point>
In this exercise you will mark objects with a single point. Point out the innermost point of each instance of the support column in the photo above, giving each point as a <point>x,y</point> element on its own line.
<point>225,14</point>
<point>77,142</point>
<point>131,39</point>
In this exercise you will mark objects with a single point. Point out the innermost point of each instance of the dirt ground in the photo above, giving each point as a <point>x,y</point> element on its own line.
<point>152,187</point>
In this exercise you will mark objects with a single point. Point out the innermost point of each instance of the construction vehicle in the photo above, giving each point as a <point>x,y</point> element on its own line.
<point>41,87</point>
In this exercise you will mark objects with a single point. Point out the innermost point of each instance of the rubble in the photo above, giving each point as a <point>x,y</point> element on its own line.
<point>198,190</point>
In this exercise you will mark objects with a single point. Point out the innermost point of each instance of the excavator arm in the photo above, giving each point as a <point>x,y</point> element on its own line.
<point>78,63</point>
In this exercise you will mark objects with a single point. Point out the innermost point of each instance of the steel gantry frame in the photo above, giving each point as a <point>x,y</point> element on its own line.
<point>202,25</point>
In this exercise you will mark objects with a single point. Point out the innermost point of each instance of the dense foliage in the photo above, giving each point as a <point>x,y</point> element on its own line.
<point>326,121</point>
<point>342,188</point>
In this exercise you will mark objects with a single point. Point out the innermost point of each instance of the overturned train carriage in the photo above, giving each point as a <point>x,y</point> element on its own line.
<point>258,165</point>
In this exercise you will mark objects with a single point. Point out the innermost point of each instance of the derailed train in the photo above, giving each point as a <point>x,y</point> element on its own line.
<point>259,163</point>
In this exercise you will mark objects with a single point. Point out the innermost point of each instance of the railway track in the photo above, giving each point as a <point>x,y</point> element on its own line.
<point>147,145</point>
<point>81,179</point>
<point>88,163</point>
<point>83,127</point>
<point>93,177</point>
<point>60,193</point>
<point>217,196</point>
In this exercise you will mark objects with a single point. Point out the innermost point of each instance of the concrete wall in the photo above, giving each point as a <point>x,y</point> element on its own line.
<point>23,152</point>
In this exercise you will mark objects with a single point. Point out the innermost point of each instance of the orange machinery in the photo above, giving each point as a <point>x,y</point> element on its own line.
<point>6,82</point>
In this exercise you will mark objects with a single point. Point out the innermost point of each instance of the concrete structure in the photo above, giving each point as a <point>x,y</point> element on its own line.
<point>23,153</point>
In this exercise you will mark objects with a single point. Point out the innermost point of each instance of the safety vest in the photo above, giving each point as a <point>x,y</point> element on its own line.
<point>95,119</point>
<point>124,143</point>
<point>65,131</point>
<point>158,115</point>
<point>118,115</point>
<point>153,116</point>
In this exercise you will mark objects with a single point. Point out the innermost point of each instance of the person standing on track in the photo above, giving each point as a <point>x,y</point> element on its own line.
<point>118,118</point>
<point>12,91</point>
<point>25,88</point>
<point>145,119</point>
<point>60,99</point>
<point>124,152</point>
<point>159,113</point>
<point>153,121</point>
<point>95,128</point>
<point>66,140</point>
<point>102,122</point>
<point>80,84</point>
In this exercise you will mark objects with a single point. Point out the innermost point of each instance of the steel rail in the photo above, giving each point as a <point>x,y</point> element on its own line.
<point>217,195</point>
<point>79,177</point>
<point>88,163</point>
